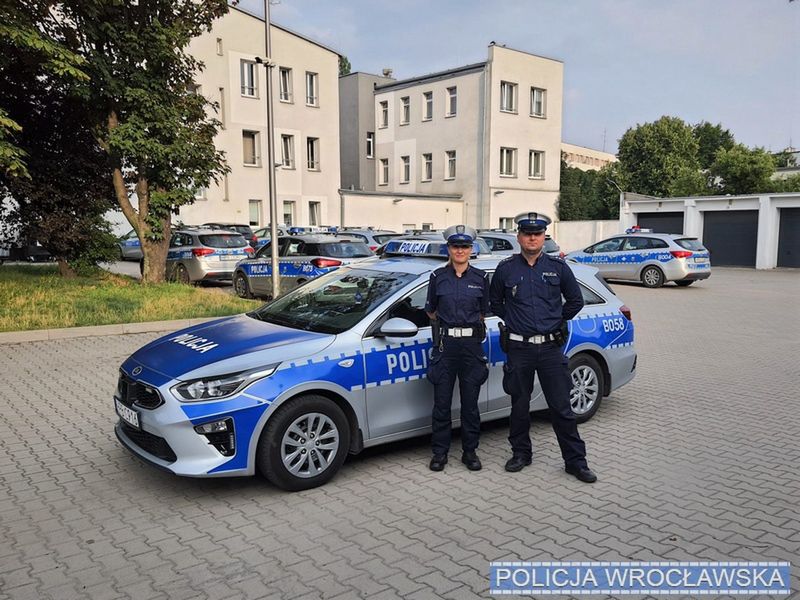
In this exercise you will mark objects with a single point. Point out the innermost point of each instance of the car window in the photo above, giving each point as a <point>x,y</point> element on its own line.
<point>345,250</point>
<point>636,243</point>
<point>611,245</point>
<point>551,246</point>
<point>223,240</point>
<point>411,308</point>
<point>384,237</point>
<point>175,241</point>
<point>499,243</point>
<point>295,248</point>
<point>589,297</point>
<point>690,244</point>
<point>335,302</point>
<point>656,243</point>
<point>363,238</point>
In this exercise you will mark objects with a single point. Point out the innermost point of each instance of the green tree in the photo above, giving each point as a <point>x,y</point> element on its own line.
<point>660,159</point>
<point>155,131</point>
<point>743,170</point>
<point>62,200</point>
<point>711,138</point>
<point>344,66</point>
<point>588,195</point>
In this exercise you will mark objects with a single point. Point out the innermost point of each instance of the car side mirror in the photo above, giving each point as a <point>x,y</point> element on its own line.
<point>398,327</point>
<point>589,250</point>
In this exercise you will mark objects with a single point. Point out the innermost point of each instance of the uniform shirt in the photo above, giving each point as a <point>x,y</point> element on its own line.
<point>528,298</point>
<point>458,300</point>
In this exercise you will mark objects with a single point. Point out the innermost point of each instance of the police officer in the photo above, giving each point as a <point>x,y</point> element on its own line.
<point>458,300</point>
<point>526,293</point>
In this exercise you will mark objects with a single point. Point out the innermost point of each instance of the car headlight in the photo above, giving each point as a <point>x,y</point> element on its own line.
<point>221,386</point>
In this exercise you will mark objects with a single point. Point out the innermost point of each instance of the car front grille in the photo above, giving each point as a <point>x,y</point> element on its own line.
<point>132,392</point>
<point>152,444</point>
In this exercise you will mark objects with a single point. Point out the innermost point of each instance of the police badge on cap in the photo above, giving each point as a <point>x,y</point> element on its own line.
<point>460,235</point>
<point>532,222</point>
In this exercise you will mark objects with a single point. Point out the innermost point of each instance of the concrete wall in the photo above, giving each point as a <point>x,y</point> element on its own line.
<point>576,235</point>
<point>396,213</point>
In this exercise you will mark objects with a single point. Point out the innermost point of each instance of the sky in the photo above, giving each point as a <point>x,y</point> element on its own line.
<point>626,62</point>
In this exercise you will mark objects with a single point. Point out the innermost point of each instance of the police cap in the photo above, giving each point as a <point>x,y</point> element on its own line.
<point>532,222</point>
<point>460,235</point>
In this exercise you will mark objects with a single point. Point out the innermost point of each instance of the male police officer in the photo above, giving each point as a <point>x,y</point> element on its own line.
<point>458,300</point>
<point>526,293</point>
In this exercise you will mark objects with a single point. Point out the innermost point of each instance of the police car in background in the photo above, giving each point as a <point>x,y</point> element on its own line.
<point>652,258</point>
<point>300,258</point>
<point>333,367</point>
<point>204,254</point>
<point>374,238</point>
<point>130,248</point>
<point>502,241</point>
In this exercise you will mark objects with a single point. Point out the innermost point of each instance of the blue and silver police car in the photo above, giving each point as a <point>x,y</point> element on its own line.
<point>333,367</point>
<point>652,258</point>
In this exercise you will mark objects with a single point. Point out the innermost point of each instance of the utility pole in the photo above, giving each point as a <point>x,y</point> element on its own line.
<point>273,199</point>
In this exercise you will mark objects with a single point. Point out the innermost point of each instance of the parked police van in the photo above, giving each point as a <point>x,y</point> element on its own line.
<point>332,367</point>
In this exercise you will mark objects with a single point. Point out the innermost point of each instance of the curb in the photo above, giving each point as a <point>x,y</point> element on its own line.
<point>40,335</point>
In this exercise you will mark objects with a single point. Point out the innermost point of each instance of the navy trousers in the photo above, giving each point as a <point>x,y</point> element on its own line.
<point>461,358</point>
<point>548,360</point>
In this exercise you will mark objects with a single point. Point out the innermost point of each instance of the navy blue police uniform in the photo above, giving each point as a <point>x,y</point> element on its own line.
<point>460,303</point>
<point>529,299</point>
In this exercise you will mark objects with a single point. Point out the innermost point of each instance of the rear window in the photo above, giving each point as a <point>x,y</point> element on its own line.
<point>223,240</point>
<point>551,246</point>
<point>384,237</point>
<point>345,250</point>
<point>690,244</point>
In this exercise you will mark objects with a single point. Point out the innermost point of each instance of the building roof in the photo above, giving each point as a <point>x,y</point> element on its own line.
<point>438,76</point>
<point>287,30</point>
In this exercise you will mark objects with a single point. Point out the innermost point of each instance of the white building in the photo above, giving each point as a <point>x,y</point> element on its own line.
<point>306,131</point>
<point>586,159</point>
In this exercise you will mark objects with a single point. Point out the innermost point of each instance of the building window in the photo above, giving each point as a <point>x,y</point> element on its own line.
<point>451,164</point>
<point>370,144</point>
<point>287,151</point>
<point>427,226</point>
<point>427,167</point>
<point>249,80</point>
<point>285,84</point>
<point>314,212</point>
<point>508,96</point>
<point>427,106</point>
<point>452,101</point>
<point>507,223</point>
<point>384,113</point>
<point>312,151</point>
<point>219,46</point>
<point>406,161</point>
<point>311,89</point>
<point>508,162</point>
<point>383,172</point>
<point>250,148</point>
<point>255,212</point>
<point>536,164</point>
<point>200,193</point>
<point>288,213</point>
<point>405,110</point>
<point>538,97</point>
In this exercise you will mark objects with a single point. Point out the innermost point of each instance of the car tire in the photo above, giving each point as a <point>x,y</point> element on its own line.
<point>182,275</point>
<point>652,277</point>
<point>588,383</point>
<point>684,283</point>
<point>240,286</point>
<point>291,462</point>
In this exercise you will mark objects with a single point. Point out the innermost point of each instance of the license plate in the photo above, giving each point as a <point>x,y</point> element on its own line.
<point>230,257</point>
<point>130,416</point>
<point>701,259</point>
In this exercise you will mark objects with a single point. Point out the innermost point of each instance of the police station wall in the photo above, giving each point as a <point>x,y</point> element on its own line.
<point>395,213</point>
<point>576,235</point>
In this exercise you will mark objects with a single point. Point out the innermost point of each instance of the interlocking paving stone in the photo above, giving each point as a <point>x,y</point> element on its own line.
<point>697,459</point>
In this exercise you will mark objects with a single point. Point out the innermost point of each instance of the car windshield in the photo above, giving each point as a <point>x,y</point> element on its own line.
<point>345,250</point>
<point>382,238</point>
<point>551,246</point>
<point>223,240</point>
<point>690,244</point>
<point>334,302</point>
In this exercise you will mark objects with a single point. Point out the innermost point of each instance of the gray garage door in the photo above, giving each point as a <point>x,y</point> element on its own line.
<point>731,237</point>
<point>666,222</point>
<point>789,238</point>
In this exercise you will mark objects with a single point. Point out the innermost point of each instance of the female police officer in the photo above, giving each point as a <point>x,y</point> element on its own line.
<point>458,300</point>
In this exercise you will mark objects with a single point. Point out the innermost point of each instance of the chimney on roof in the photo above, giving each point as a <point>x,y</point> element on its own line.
<point>387,72</point>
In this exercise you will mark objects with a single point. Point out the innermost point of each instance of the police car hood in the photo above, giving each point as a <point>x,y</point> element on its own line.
<point>225,346</point>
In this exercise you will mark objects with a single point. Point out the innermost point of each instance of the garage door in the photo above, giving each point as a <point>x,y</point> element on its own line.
<point>789,238</point>
<point>731,237</point>
<point>666,222</point>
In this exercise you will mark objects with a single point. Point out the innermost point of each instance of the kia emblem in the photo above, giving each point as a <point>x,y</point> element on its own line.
<point>136,371</point>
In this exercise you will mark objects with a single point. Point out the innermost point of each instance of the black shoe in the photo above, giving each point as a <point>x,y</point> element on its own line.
<point>471,460</point>
<point>583,473</point>
<point>517,463</point>
<point>438,461</point>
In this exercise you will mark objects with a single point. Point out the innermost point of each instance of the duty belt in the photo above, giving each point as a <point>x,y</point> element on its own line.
<point>534,339</point>
<point>460,332</point>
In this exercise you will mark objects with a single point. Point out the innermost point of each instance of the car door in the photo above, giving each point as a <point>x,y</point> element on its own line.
<point>260,274</point>
<point>604,255</point>
<point>174,253</point>
<point>635,251</point>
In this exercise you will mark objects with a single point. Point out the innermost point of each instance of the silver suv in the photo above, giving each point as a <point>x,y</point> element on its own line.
<point>373,237</point>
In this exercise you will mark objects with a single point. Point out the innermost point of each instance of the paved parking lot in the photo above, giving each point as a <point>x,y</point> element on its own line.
<point>698,458</point>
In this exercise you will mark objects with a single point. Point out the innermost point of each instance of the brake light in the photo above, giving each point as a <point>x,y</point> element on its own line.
<point>561,255</point>
<point>249,249</point>
<point>199,252</point>
<point>373,248</point>
<point>680,253</point>
<point>626,312</point>
<point>322,263</point>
